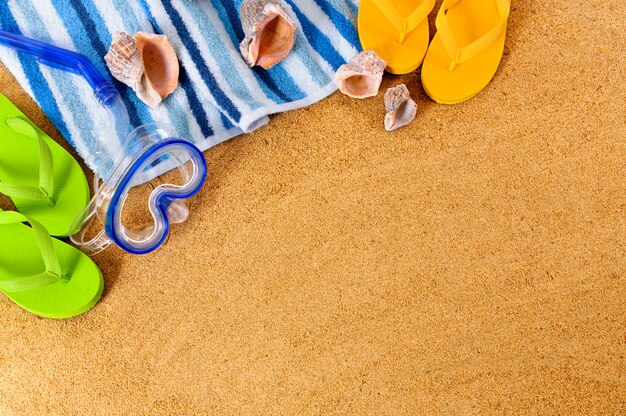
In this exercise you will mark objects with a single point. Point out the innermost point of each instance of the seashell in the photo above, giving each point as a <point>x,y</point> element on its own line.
<point>161,67</point>
<point>270,32</point>
<point>145,62</point>
<point>123,60</point>
<point>361,77</point>
<point>400,108</point>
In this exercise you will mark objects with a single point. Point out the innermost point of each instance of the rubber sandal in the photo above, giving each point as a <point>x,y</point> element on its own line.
<point>42,275</point>
<point>397,31</point>
<point>43,180</point>
<point>466,50</point>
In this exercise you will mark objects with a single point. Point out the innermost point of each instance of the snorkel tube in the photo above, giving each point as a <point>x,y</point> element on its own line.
<point>142,148</point>
<point>78,64</point>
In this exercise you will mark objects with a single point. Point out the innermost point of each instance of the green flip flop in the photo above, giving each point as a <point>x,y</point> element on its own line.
<point>45,276</point>
<point>44,181</point>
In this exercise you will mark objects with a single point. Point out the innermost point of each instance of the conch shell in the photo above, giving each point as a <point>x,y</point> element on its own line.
<point>401,109</point>
<point>145,62</point>
<point>361,77</point>
<point>270,32</point>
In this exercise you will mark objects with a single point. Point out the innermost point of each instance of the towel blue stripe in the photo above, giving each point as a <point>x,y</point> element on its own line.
<point>197,108</point>
<point>133,24</point>
<point>317,39</point>
<point>353,8</point>
<point>277,79</point>
<point>185,83</point>
<point>310,62</point>
<point>192,47</point>
<point>343,25</point>
<point>36,80</point>
<point>226,122</point>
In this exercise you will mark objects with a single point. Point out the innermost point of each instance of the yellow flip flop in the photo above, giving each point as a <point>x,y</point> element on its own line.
<point>466,50</point>
<point>397,31</point>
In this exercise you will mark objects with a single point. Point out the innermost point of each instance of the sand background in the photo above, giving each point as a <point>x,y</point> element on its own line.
<point>472,263</point>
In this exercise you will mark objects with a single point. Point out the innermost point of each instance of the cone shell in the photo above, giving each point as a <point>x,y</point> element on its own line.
<point>361,77</point>
<point>270,32</point>
<point>400,108</point>
<point>145,62</point>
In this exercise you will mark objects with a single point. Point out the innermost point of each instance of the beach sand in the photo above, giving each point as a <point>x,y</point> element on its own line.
<point>471,263</point>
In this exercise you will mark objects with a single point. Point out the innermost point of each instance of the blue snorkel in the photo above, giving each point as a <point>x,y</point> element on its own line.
<point>64,60</point>
<point>143,148</point>
<point>78,64</point>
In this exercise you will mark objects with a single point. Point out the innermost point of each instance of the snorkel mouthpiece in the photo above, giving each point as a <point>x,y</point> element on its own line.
<point>146,152</point>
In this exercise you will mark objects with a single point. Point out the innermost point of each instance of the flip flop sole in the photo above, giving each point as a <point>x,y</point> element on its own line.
<point>469,20</point>
<point>378,34</point>
<point>20,256</point>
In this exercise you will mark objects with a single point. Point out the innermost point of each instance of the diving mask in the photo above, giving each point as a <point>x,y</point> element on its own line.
<point>141,152</point>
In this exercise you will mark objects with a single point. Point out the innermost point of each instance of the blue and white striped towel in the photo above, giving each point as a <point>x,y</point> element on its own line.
<point>219,96</point>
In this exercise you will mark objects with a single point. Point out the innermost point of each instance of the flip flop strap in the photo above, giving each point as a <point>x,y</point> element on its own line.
<point>459,54</point>
<point>408,24</point>
<point>53,272</point>
<point>44,191</point>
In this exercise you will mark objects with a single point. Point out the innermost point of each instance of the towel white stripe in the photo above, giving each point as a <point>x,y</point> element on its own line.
<point>315,14</point>
<point>297,72</point>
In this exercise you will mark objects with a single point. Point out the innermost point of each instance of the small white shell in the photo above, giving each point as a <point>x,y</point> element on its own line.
<point>361,77</point>
<point>145,62</point>
<point>270,32</point>
<point>400,108</point>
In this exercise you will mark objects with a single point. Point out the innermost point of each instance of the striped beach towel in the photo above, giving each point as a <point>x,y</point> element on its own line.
<point>218,97</point>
